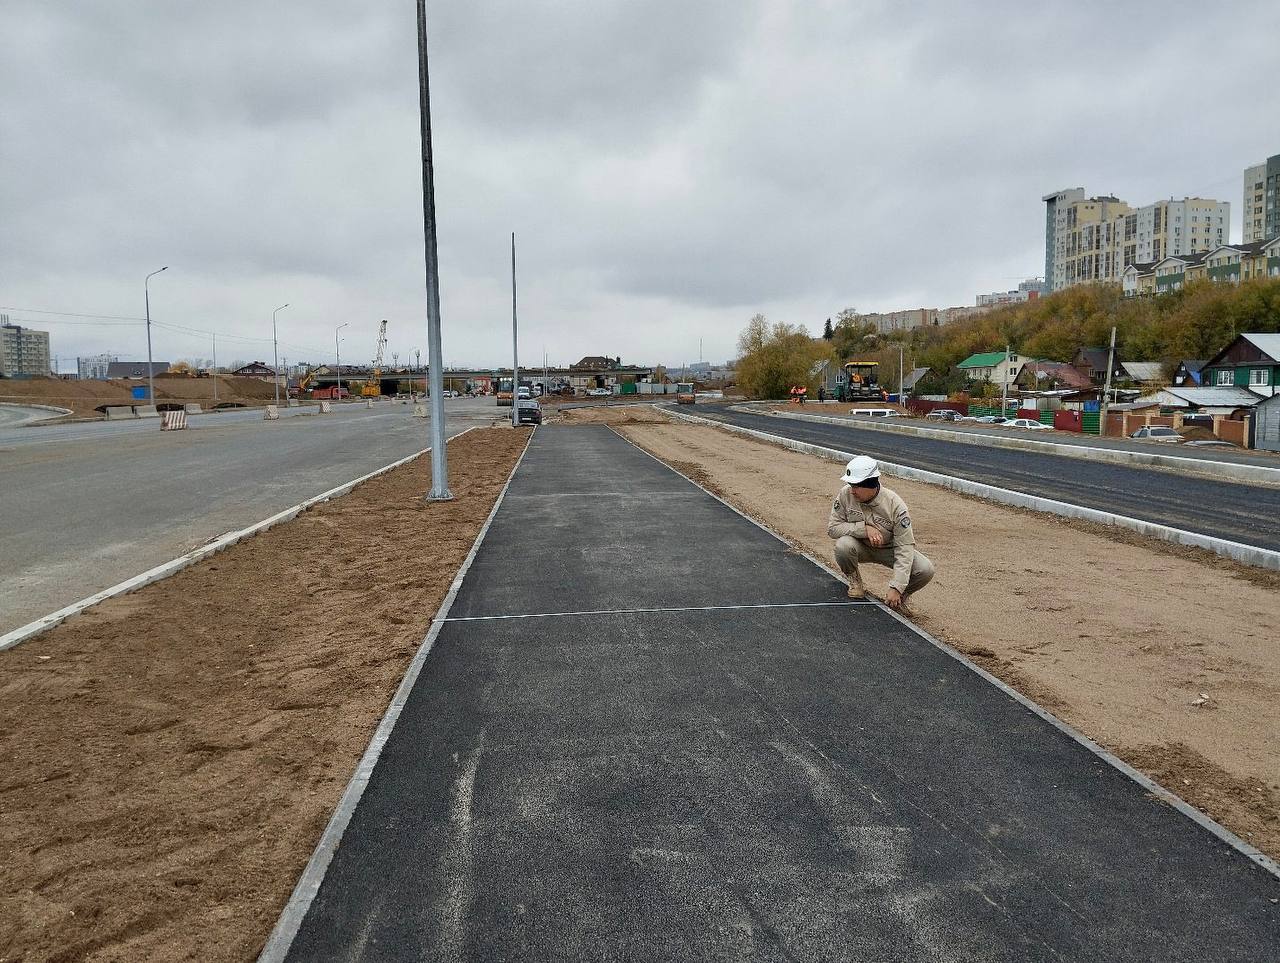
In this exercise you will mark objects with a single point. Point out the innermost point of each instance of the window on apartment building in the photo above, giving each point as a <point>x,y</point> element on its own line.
<point>1225,376</point>
<point>1259,376</point>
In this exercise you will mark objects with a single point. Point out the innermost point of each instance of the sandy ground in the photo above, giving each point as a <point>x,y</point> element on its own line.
<point>1164,655</point>
<point>83,397</point>
<point>172,756</point>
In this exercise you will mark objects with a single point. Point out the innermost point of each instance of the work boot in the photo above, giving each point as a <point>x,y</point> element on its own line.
<point>856,588</point>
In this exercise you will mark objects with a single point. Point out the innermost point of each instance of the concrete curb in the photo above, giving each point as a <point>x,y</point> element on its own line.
<point>53,408</point>
<point>1247,850</point>
<point>286,929</point>
<point>10,639</point>
<point>1195,466</point>
<point>1246,554</point>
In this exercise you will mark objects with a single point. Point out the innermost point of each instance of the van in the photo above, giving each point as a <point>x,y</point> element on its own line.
<point>875,412</point>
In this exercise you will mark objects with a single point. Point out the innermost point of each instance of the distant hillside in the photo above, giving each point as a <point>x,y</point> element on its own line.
<point>1196,322</point>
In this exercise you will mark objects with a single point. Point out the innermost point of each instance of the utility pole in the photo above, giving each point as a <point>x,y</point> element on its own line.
<point>1004,378</point>
<point>515,342</point>
<point>435,351</point>
<point>337,360</point>
<point>214,373</point>
<point>1106,388</point>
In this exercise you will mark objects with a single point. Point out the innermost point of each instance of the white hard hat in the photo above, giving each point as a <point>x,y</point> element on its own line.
<point>860,469</point>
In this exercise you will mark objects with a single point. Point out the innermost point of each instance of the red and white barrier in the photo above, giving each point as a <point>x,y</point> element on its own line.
<point>173,420</point>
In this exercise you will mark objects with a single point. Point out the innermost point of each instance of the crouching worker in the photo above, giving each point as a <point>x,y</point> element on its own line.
<point>872,524</point>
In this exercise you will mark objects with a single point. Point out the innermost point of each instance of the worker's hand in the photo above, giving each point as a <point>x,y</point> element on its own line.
<point>876,537</point>
<point>893,598</point>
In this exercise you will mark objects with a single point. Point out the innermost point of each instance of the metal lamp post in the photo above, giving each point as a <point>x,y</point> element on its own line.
<point>146,293</point>
<point>435,352</point>
<point>337,360</point>
<point>275,353</point>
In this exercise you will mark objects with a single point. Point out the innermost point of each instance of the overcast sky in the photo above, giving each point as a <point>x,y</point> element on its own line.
<point>670,167</point>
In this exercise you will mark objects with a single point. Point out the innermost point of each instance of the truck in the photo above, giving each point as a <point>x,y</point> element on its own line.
<point>332,393</point>
<point>686,393</point>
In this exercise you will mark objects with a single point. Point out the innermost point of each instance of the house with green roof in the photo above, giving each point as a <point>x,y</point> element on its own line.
<point>993,366</point>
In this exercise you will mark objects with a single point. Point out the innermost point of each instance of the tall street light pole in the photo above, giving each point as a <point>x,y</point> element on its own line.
<point>435,353</point>
<point>146,293</point>
<point>275,353</point>
<point>215,371</point>
<point>337,360</point>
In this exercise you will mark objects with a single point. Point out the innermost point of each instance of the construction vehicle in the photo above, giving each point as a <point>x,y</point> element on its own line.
<point>372,388</point>
<point>685,393</point>
<point>862,382</point>
<point>296,391</point>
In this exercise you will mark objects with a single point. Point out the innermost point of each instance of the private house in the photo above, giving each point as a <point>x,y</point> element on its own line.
<point>1187,373</point>
<point>1139,279</point>
<point>993,366</point>
<point>255,369</point>
<point>1050,376</point>
<point>135,369</point>
<point>1092,363</point>
<point>1144,372</point>
<point>1228,400</point>
<point>1250,362</point>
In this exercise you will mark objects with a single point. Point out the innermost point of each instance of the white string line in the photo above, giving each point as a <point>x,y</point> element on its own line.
<point>687,608</point>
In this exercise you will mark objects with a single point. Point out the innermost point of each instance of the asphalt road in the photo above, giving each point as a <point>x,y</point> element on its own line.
<point>1231,455</point>
<point>1233,510</point>
<point>87,506</point>
<point>619,761</point>
<point>13,416</point>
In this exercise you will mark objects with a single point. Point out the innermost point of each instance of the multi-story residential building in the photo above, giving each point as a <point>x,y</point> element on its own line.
<point>1260,214</point>
<point>901,320</point>
<point>23,352</point>
<point>1098,238</point>
<point>1086,246</point>
<point>1028,290</point>
<point>95,367</point>
<point>1054,205</point>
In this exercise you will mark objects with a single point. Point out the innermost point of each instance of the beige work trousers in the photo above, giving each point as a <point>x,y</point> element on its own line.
<point>850,551</point>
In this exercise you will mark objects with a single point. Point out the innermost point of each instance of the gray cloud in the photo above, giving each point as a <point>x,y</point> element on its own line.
<point>670,167</point>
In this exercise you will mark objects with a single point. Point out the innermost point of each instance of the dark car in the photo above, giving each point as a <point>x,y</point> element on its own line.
<point>943,414</point>
<point>528,412</point>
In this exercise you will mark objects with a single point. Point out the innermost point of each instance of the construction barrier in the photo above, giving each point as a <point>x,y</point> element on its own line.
<point>192,408</point>
<point>173,420</point>
<point>146,411</point>
<point>293,402</point>
<point>326,407</point>
<point>120,412</point>
<point>368,402</point>
<point>419,411</point>
<point>272,413</point>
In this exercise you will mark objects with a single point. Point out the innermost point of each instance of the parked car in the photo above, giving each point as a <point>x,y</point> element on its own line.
<point>449,393</point>
<point>1026,423</point>
<point>989,420</point>
<point>528,412</point>
<point>1157,433</point>
<point>523,392</point>
<point>599,393</point>
<point>944,414</point>
<point>875,412</point>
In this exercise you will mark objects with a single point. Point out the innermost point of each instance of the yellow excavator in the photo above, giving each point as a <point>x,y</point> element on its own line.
<point>373,387</point>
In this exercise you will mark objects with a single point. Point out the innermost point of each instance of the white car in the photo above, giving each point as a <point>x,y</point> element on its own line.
<point>1157,433</point>
<point>1026,423</point>
<point>449,393</point>
<point>599,393</point>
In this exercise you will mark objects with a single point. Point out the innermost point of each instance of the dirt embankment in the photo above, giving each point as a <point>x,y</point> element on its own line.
<point>1165,655</point>
<point>83,397</point>
<point>172,756</point>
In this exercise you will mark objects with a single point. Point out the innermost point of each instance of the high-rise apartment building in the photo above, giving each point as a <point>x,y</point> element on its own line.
<point>1096,238</point>
<point>1088,241</point>
<point>1260,213</point>
<point>23,352</point>
<point>1053,205</point>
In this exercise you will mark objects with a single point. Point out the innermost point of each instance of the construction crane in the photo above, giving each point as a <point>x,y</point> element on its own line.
<point>373,387</point>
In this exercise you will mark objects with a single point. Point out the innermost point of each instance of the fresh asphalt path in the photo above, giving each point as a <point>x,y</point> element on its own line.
<point>1225,509</point>
<point>85,512</point>
<point>802,781</point>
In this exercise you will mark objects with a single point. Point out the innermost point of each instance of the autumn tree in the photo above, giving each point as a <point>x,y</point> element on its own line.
<point>772,358</point>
